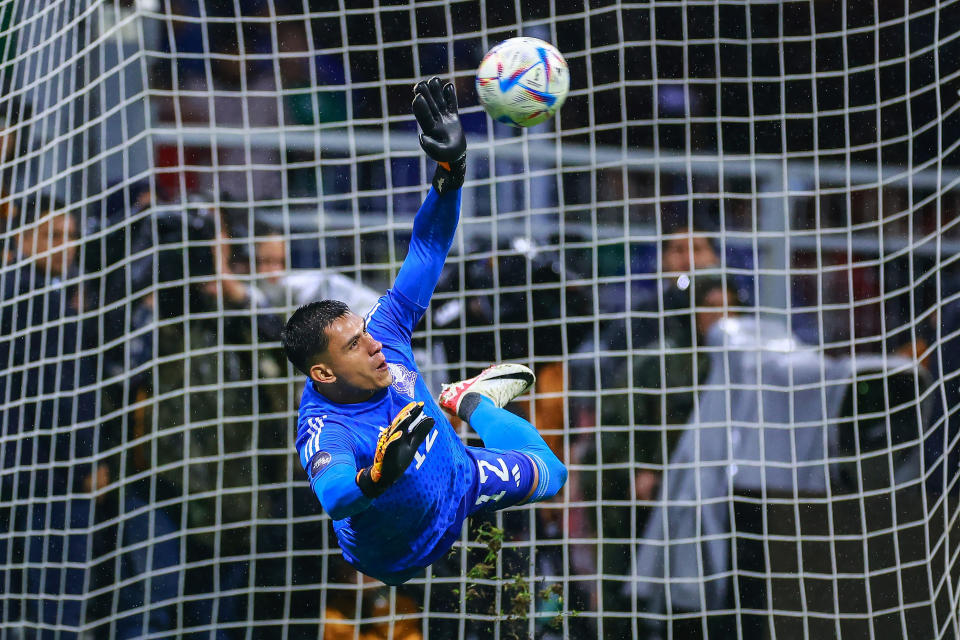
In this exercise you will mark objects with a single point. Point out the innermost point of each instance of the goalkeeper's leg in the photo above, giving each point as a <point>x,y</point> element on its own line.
<point>505,432</point>
<point>479,401</point>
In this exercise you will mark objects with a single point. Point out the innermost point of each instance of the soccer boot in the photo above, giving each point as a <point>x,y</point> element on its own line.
<point>501,383</point>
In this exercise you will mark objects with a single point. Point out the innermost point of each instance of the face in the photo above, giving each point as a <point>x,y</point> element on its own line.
<point>52,235</point>
<point>713,310</point>
<point>677,254</point>
<point>354,359</point>
<point>271,258</point>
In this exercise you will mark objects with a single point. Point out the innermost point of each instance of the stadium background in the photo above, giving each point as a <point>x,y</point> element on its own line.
<point>220,160</point>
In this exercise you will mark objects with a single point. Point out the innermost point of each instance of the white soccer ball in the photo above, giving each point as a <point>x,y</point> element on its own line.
<point>522,81</point>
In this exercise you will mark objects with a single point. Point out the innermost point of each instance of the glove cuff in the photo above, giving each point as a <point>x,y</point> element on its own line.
<point>450,176</point>
<point>368,487</point>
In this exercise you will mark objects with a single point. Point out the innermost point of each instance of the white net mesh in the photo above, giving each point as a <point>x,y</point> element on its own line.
<point>730,259</point>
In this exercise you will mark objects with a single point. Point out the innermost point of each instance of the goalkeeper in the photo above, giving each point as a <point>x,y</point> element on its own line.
<point>382,458</point>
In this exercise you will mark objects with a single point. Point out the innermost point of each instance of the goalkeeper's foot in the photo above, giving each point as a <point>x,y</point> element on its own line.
<point>501,383</point>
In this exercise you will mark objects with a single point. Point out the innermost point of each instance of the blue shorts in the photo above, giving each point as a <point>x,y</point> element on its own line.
<point>501,479</point>
<point>504,479</point>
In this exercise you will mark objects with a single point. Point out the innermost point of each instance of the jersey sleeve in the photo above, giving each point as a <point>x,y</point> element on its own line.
<point>434,227</point>
<point>328,456</point>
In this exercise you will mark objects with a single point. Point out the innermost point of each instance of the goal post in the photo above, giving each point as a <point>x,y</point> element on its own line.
<point>731,259</point>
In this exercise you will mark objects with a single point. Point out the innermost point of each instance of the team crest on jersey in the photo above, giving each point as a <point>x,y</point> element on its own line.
<point>404,380</point>
<point>318,462</point>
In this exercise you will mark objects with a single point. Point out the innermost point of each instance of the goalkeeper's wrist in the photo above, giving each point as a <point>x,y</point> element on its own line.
<point>368,486</point>
<point>449,176</point>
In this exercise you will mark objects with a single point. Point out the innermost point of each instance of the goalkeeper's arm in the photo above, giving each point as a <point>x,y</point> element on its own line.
<point>443,140</point>
<point>344,491</point>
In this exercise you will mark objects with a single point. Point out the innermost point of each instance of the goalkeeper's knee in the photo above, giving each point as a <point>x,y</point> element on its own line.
<point>551,473</point>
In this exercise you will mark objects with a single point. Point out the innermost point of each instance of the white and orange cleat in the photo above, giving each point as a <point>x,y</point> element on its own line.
<point>501,383</point>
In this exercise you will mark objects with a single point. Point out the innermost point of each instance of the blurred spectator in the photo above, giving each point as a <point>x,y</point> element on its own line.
<point>477,329</point>
<point>215,437</point>
<point>483,323</point>
<point>115,286</point>
<point>667,375</point>
<point>635,387</point>
<point>275,287</point>
<point>274,291</point>
<point>466,325</point>
<point>47,413</point>
<point>127,233</point>
<point>652,391</point>
<point>683,252</point>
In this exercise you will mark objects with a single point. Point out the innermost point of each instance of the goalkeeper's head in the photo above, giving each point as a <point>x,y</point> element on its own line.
<point>330,344</point>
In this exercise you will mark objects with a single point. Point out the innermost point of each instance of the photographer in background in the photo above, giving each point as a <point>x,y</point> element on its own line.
<point>641,395</point>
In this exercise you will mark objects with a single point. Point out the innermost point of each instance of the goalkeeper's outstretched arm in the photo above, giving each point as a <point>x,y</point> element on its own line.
<point>435,107</point>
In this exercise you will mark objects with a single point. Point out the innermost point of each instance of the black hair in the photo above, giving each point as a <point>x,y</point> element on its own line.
<point>263,229</point>
<point>698,230</point>
<point>305,335</point>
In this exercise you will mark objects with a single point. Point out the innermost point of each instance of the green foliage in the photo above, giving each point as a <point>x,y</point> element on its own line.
<point>492,537</point>
<point>518,593</point>
<point>517,596</point>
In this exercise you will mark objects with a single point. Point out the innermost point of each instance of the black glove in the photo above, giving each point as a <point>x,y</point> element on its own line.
<point>435,107</point>
<point>395,450</point>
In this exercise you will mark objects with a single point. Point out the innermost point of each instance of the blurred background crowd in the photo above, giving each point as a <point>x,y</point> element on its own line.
<point>167,357</point>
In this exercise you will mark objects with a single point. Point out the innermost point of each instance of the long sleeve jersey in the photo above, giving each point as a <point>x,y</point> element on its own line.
<point>413,521</point>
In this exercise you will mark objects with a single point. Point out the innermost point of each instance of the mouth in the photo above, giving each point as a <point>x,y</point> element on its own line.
<point>383,365</point>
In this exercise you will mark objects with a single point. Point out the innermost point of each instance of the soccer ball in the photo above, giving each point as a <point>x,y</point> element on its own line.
<point>522,81</point>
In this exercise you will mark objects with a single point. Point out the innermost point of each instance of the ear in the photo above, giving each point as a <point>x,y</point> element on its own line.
<point>321,373</point>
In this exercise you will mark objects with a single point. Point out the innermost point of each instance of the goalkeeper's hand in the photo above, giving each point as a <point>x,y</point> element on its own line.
<point>395,450</point>
<point>435,107</point>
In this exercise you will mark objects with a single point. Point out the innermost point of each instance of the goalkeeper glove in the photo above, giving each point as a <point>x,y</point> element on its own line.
<point>435,107</point>
<point>395,450</point>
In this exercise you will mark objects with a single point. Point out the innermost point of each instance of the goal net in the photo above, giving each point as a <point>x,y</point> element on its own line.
<point>731,260</point>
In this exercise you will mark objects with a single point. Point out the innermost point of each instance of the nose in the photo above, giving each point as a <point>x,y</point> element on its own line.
<point>374,345</point>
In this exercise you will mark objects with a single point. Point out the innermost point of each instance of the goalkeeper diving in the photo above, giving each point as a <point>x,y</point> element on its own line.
<point>381,456</point>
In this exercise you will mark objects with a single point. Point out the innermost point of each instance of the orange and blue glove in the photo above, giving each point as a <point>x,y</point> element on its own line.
<point>396,448</point>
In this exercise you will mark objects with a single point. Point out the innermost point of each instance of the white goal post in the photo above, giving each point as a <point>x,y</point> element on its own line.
<point>731,259</point>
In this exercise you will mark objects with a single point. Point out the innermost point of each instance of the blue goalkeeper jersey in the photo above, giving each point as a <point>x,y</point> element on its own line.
<point>413,521</point>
